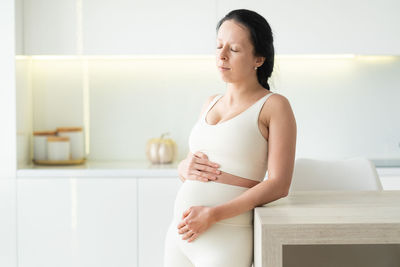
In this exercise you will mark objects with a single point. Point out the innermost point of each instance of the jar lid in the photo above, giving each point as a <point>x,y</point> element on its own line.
<point>57,138</point>
<point>44,133</point>
<point>69,129</point>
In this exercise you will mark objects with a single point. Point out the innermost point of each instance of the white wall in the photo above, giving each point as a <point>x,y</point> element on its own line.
<point>344,106</point>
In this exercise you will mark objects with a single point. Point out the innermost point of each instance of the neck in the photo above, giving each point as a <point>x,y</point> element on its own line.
<point>238,93</point>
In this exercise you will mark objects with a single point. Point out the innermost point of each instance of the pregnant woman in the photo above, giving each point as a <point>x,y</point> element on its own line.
<point>237,138</point>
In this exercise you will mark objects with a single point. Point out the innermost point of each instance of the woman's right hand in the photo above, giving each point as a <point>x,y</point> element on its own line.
<point>197,167</point>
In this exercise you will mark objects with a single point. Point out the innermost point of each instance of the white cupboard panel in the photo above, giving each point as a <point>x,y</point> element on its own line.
<point>328,27</point>
<point>148,27</point>
<point>19,32</point>
<point>188,27</point>
<point>50,27</point>
<point>106,222</point>
<point>7,91</point>
<point>77,222</point>
<point>8,253</point>
<point>46,236</point>
<point>156,202</point>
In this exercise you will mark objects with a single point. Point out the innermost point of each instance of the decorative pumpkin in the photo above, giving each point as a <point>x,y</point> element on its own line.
<point>161,150</point>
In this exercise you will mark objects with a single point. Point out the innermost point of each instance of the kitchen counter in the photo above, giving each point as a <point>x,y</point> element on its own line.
<point>101,169</point>
<point>389,176</point>
<point>131,168</point>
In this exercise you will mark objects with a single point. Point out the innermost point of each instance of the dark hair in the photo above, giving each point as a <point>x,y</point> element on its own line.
<point>261,38</point>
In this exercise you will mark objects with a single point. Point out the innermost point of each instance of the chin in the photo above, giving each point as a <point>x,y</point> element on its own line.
<point>226,79</point>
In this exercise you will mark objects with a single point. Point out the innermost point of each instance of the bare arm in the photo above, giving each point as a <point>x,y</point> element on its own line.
<point>281,156</point>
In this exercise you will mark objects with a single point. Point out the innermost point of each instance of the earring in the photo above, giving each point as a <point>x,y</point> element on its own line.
<point>255,68</point>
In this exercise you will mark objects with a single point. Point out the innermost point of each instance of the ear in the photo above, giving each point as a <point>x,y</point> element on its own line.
<point>260,61</point>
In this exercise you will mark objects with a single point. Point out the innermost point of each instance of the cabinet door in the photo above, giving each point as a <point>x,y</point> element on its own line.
<point>155,209</point>
<point>19,33</point>
<point>8,253</point>
<point>45,230</point>
<point>328,27</point>
<point>50,27</point>
<point>107,222</point>
<point>77,222</point>
<point>148,27</point>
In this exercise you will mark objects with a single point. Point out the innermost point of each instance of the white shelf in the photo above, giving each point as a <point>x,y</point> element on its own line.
<point>101,169</point>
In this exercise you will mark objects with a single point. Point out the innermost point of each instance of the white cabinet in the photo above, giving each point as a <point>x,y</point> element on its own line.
<point>149,27</point>
<point>91,221</point>
<point>119,27</point>
<point>46,233</point>
<point>77,222</point>
<point>8,244</point>
<point>328,27</point>
<point>19,33</point>
<point>188,27</point>
<point>8,224</point>
<point>50,27</point>
<point>155,210</point>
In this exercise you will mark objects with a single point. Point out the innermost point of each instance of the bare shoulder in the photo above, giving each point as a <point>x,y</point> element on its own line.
<point>206,103</point>
<point>279,101</point>
<point>277,106</point>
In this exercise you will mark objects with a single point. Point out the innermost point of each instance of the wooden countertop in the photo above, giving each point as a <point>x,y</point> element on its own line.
<point>332,207</point>
<point>325,217</point>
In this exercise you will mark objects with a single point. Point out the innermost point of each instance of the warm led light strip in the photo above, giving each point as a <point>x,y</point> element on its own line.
<point>316,56</point>
<point>127,57</point>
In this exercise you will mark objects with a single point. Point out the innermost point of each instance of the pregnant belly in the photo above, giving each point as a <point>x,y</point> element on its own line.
<point>197,193</point>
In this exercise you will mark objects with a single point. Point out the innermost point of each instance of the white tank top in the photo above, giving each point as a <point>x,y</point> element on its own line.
<point>237,144</point>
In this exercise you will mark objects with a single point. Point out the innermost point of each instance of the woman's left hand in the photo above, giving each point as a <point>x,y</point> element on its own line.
<point>195,220</point>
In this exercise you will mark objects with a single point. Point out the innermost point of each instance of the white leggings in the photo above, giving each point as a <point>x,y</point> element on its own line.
<point>226,243</point>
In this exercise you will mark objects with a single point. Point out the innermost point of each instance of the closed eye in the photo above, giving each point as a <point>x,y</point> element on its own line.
<point>231,49</point>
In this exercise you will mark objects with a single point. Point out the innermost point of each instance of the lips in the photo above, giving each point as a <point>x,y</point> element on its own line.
<point>223,68</point>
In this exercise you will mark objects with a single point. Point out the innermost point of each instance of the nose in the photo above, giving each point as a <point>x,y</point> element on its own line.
<point>222,54</point>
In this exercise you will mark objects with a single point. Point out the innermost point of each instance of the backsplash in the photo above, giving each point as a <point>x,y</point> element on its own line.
<point>344,107</point>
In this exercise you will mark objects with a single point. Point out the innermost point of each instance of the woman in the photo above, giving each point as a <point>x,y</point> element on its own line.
<point>229,146</point>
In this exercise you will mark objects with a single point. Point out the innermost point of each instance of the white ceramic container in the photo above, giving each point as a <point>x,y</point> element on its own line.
<point>40,144</point>
<point>58,148</point>
<point>77,141</point>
